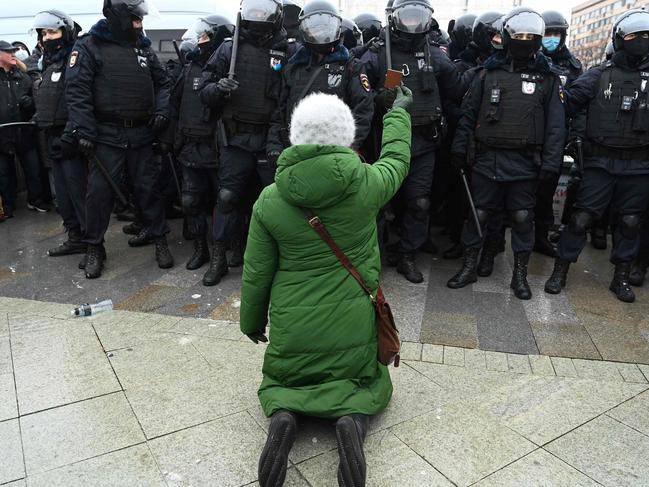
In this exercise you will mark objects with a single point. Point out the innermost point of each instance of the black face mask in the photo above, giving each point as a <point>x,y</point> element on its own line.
<point>637,48</point>
<point>521,50</point>
<point>205,50</point>
<point>322,49</point>
<point>51,46</point>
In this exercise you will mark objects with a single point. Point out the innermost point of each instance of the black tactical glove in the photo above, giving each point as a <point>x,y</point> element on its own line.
<point>272,157</point>
<point>458,161</point>
<point>159,123</point>
<point>87,147</point>
<point>68,149</point>
<point>26,102</point>
<point>257,337</point>
<point>227,85</point>
<point>385,98</point>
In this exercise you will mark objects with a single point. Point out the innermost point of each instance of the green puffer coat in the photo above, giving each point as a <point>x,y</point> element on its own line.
<point>322,356</point>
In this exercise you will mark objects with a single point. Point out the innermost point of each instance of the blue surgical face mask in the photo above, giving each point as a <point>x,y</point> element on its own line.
<point>551,44</point>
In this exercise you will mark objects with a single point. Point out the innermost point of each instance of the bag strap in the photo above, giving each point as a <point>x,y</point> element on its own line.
<point>318,226</point>
<point>309,83</point>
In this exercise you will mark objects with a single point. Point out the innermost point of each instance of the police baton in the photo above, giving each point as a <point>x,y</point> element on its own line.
<point>580,155</point>
<point>179,53</point>
<point>473,210</point>
<point>235,48</point>
<point>175,175</point>
<point>15,124</point>
<point>111,182</point>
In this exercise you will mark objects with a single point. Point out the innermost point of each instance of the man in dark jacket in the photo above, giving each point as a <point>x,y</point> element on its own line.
<point>17,105</point>
<point>514,112</point>
<point>195,142</point>
<point>323,65</point>
<point>431,76</point>
<point>610,109</point>
<point>57,33</point>
<point>118,100</point>
<point>246,103</point>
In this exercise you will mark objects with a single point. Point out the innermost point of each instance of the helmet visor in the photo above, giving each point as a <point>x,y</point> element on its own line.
<point>525,23</point>
<point>634,22</point>
<point>138,8</point>
<point>320,28</point>
<point>197,30</point>
<point>48,20</point>
<point>260,10</point>
<point>413,18</point>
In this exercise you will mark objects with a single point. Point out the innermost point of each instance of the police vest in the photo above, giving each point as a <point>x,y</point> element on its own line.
<point>123,86</point>
<point>194,118</point>
<point>259,77</point>
<point>49,97</point>
<point>512,113</point>
<point>618,117</point>
<point>419,76</point>
<point>331,79</point>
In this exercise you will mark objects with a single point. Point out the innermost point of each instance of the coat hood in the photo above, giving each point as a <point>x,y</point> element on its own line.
<point>317,176</point>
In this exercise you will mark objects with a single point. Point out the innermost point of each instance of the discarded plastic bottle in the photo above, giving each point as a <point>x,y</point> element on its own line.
<point>93,309</point>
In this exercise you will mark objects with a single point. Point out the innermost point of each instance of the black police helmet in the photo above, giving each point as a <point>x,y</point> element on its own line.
<point>485,27</point>
<point>523,20</point>
<point>412,17</point>
<point>555,22</point>
<point>216,27</point>
<point>292,12</point>
<point>630,22</point>
<point>320,25</point>
<point>461,31</point>
<point>55,19</point>
<point>351,34</point>
<point>262,16</point>
<point>369,24</point>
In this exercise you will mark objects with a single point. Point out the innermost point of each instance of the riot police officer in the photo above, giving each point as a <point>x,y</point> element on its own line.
<point>610,109</point>
<point>247,103</point>
<point>57,33</point>
<point>291,20</point>
<point>369,25</point>
<point>352,37</point>
<point>431,76</point>
<point>460,31</point>
<point>118,100</point>
<point>514,112</point>
<point>195,142</point>
<point>322,64</point>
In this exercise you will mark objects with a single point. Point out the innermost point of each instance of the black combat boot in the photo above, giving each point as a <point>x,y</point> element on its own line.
<point>467,274</point>
<point>274,457</point>
<point>486,265</point>
<point>73,245</point>
<point>454,252</point>
<point>557,280</point>
<point>236,253</point>
<point>133,228</point>
<point>639,270</point>
<point>350,434</point>
<point>542,244</point>
<point>162,254</point>
<point>218,265</point>
<point>94,261</point>
<point>620,283</point>
<point>141,239</point>
<point>408,267</point>
<point>82,262</point>
<point>519,276</point>
<point>200,256</point>
<point>598,237</point>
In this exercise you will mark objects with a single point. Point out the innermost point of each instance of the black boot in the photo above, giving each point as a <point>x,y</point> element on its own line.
<point>598,238</point>
<point>486,265</point>
<point>350,434</point>
<point>82,262</point>
<point>236,253</point>
<point>408,267</point>
<point>94,262</point>
<point>454,252</point>
<point>467,274</point>
<point>542,244</point>
<point>557,280</point>
<point>274,457</point>
<point>73,245</point>
<point>620,283</point>
<point>162,254</point>
<point>133,228</point>
<point>218,265</point>
<point>638,272</point>
<point>519,276</point>
<point>200,256</point>
<point>141,239</point>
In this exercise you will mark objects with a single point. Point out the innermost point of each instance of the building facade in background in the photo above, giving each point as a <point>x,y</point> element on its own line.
<point>591,26</point>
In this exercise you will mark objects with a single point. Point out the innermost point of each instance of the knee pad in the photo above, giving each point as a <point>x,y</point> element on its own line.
<point>227,200</point>
<point>420,206</point>
<point>522,221</point>
<point>483,216</point>
<point>630,226</point>
<point>579,222</point>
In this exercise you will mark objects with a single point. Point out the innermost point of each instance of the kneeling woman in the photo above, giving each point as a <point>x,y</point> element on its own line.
<point>322,357</point>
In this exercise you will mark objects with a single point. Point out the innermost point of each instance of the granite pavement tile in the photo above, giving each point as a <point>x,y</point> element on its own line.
<point>11,466</point>
<point>389,462</point>
<point>496,361</point>
<point>432,353</point>
<point>408,302</point>
<point>223,452</point>
<point>620,337</point>
<point>8,406</point>
<point>133,466</point>
<point>58,363</point>
<point>541,365</point>
<point>454,356</point>
<point>293,479</point>
<point>132,330</point>
<point>548,308</point>
<point>634,413</point>
<point>595,369</point>
<point>475,359</point>
<point>631,373</point>
<point>410,350</point>
<point>17,483</point>
<point>75,432</point>
<point>645,370</point>
<point>449,318</point>
<point>538,469</point>
<point>563,367</point>
<point>607,451</point>
<point>519,364</point>
<point>564,340</point>
<point>457,431</point>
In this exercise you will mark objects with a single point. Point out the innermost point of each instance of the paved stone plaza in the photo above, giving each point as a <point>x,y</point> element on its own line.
<point>162,391</point>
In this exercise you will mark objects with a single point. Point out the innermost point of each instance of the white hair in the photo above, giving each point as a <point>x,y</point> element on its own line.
<point>322,119</point>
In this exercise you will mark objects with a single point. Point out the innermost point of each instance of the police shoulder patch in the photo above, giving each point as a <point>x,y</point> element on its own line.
<point>74,56</point>
<point>365,82</point>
